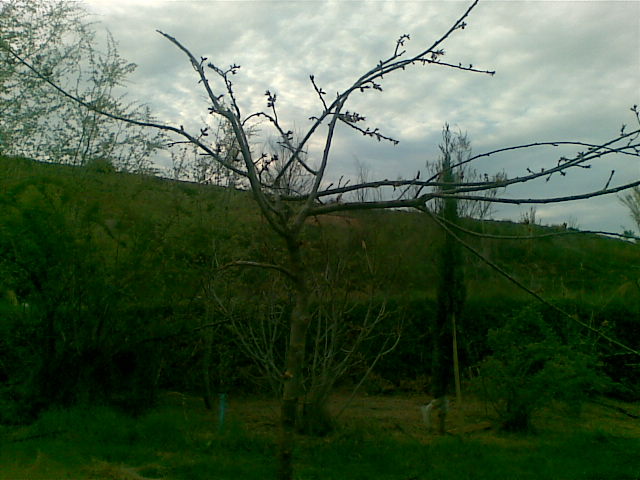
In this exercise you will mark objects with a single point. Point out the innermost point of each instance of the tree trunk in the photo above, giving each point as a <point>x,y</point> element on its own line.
<point>315,418</point>
<point>207,395</point>
<point>441,370</point>
<point>294,360</point>
<point>448,294</point>
<point>451,294</point>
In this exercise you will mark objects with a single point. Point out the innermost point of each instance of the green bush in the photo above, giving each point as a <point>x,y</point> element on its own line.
<point>530,367</point>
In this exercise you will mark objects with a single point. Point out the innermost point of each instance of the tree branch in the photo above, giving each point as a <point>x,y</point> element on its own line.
<point>180,131</point>
<point>519,201</point>
<point>537,236</point>
<point>593,148</point>
<point>526,289</point>
<point>269,266</point>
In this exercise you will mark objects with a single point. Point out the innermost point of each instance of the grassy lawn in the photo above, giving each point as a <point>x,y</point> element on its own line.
<point>180,440</point>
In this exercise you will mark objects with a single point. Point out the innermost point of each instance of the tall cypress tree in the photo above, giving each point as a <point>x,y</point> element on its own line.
<point>451,290</point>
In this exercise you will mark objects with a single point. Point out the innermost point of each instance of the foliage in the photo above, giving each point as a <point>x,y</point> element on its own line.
<point>139,252</point>
<point>631,200</point>
<point>530,368</point>
<point>451,290</point>
<point>286,216</point>
<point>94,282</point>
<point>59,336</point>
<point>57,38</point>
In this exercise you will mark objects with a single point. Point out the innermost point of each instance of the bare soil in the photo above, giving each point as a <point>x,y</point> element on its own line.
<point>399,415</point>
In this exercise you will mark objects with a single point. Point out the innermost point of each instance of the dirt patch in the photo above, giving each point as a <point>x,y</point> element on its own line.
<point>343,221</point>
<point>399,415</point>
<point>112,471</point>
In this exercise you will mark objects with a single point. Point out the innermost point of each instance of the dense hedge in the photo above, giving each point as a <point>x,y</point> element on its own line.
<point>620,321</point>
<point>105,282</point>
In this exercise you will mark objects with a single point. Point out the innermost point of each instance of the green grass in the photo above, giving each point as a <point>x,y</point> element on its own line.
<point>170,443</point>
<point>96,442</point>
<point>570,456</point>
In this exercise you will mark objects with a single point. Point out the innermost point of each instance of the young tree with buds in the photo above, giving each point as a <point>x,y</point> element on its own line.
<point>286,211</point>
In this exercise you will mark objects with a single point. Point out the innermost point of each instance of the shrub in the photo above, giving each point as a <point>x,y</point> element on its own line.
<point>529,367</point>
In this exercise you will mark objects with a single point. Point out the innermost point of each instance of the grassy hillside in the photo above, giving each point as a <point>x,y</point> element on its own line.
<point>108,281</point>
<point>191,217</point>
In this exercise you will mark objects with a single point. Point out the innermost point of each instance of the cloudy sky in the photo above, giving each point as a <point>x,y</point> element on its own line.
<point>565,70</point>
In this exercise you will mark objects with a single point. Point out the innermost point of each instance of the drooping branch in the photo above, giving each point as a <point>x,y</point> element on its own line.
<point>537,236</point>
<point>523,287</point>
<point>96,108</point>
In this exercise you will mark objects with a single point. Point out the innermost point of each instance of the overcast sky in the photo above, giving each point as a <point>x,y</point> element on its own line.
<point>565,70</point>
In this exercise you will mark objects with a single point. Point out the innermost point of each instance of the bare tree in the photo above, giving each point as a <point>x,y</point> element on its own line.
<point>286,213</point>
<point>363,175</point>
<point>631,199</point>
<point>457,146</point>
<point>290,181</point>
<point>345,331</point>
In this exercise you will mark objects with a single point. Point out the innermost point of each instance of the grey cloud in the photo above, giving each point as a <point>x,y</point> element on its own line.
<point>565,70</point>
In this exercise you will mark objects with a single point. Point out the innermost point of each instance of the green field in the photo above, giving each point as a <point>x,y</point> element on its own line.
<point>380,438</point>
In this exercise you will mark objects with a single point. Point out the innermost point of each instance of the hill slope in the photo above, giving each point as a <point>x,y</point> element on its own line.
<point>110,280</point>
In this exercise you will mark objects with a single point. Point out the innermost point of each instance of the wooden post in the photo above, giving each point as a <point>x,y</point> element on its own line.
<point>456,365</point>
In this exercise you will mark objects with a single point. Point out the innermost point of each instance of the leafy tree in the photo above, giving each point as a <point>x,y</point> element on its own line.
<point>36,122</point>
<point>88,281</point>
<point>530,367</point>
<point>50,265</point>
<point>632,201</point>
<point>451,288</point>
